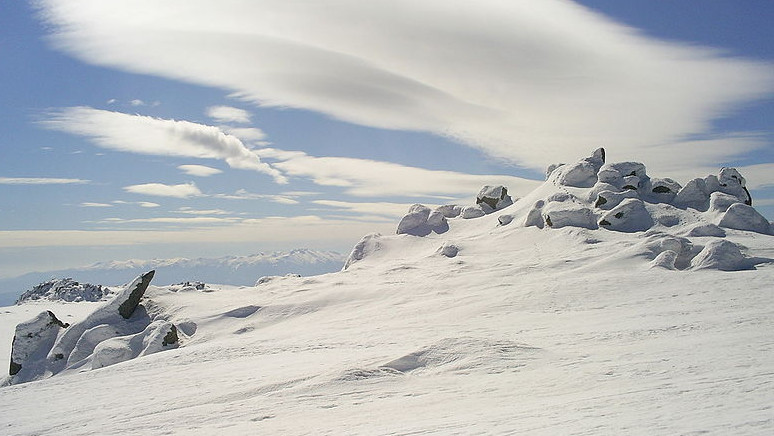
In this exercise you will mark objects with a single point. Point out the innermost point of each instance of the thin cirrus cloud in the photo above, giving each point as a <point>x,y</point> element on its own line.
<point>40,181</point>
<point>369,178</point>
<point>154,136</point>
<point>528,81</point>
<point>228,114</point>
<point>184,190</point>
<point>199,170</point>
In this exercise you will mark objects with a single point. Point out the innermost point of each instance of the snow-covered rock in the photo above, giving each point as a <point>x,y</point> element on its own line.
<point>469,212</point>
<point>493,198</point>
<point>743,217</point>
<point>118,321</point>
<point>367,245</point>
<point>65,289</point>
<point>32,341</point>
<point>564,211</point>
<point>629,216</point>
<point>581,174</point>
<point>723,255</point>
<point>415,221</point>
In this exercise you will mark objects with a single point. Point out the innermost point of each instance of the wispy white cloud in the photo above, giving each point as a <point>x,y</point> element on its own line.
<point>199,220</point>
<point>199,170</point>
<point>249,134</point>
<point>192,211</point>
<point>383,208</point>
<point>184,190</point>
<point>369,178</point>
<point>243,194</point>
<point>137,102</point>
<point>311,229</point>
<point>146,204</point>
<point>89,204</point>
<point>154,136</point>
<point>528,81</point>
<point>228,114</point>
<point>40,181</point>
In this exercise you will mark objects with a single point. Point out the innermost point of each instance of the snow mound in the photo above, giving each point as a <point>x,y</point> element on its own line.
<point>723,255</point>
<point>65,289</point>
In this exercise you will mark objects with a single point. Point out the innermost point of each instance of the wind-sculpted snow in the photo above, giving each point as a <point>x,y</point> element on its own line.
<point>598,195</point>
<point>562,313</point>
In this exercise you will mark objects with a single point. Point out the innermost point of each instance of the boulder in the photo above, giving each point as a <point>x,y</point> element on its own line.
<point>740,216</point>
<point>723,255</point>
<point>607,200</point>
<point>505,219</point>
<point>559,214</point>
<point>437,222</point>
<point>32,341</point>
<point>663,190</point>
<point>367,245</point>
<point>693,195</point>
<point>493,198</point>
<point>629,216</point>
<point>133,293</point>
<point>535,215</point>
<point>581,174</point>
<point>731,182</point>
<point>469,212</point>
<point>415,221</point>
<point>706,229</point>
<point>720,201</point>
<point>448,250</point>
<point>449,210</point>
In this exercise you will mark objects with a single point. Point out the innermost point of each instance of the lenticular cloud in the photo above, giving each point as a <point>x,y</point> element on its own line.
<point>154,136</point>
<point>523,80</point>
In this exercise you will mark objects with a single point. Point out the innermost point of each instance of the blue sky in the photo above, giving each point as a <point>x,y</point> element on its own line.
<point>189,128</point>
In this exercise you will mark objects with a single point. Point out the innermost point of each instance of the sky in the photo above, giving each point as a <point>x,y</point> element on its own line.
<point>146,129</point>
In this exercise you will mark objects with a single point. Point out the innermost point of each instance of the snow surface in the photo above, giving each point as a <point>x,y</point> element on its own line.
<point>540,329</point>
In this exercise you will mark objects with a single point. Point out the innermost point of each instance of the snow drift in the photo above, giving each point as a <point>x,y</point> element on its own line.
<point>597,304</point>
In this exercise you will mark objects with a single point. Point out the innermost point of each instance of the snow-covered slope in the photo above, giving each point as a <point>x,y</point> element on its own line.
<point>232,270</point>
<point>658,322</point>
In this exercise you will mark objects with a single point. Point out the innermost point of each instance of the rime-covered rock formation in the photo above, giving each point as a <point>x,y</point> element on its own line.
<point>596,195</point>
<point>65,289</point>
<point>119,330</point>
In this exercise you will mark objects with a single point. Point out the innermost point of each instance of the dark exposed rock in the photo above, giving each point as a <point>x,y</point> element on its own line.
<point>493,198</point>
<point>126,309</point>
<point>171,337</point>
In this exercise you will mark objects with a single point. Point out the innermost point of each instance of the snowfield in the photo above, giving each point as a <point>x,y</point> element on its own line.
<point>502,324</point>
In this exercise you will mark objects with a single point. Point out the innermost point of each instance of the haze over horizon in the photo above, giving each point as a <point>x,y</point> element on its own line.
<point>148,130</point>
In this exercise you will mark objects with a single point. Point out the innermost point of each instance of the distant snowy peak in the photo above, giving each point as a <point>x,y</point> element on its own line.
<point>299,256</point>
<point>65,289</point>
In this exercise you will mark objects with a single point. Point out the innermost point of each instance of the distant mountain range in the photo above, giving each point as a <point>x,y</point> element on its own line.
<point>230,270</point>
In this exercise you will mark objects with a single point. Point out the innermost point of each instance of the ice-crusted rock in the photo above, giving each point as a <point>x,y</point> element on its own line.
<point>693,195</point>
<point>157,336</point>
<point>568,213</point>
<point>505,219</point>
<point>663,190</point>
<point>731,182</point>
<point>448,249</point>
<point>74,347</point>
<point>706,229</point>
<point>607,200</point>
<point>665,259</point>
<point>629,216</point>
<point>469,212</point>
<point>535,215</point>
<point>65,289</point>
<point>743,217</point>
<point>696,193</point>
<point>32,341</point>
<point>449,210</point>
<point>367,245</point>
<point>493,198</point>
<point>721,254</point>
<point>720,201</point>
<point>581,174</point>
<point>421,221</point>
<point>415,221</point>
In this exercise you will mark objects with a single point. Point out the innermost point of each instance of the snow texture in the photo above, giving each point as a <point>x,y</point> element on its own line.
<point>657,324</point>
